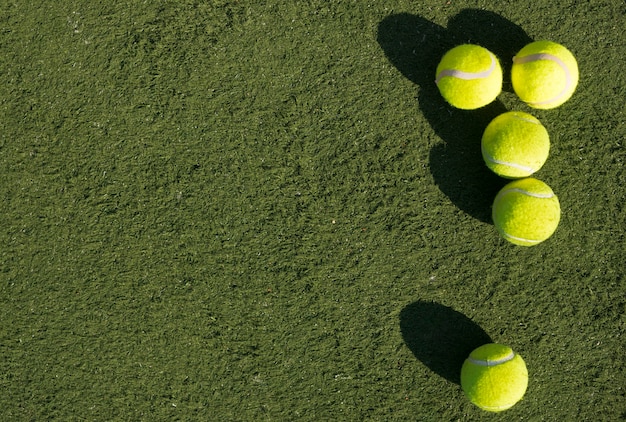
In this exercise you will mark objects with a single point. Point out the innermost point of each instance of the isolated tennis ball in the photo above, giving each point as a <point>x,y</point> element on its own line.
<point>515,145</point>
<point>494,377</point>
<point>544,74</point>
<point>526,212</point>
<point>469,77</point>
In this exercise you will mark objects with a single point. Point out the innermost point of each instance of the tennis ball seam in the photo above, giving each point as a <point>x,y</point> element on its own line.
<point>546,56</point>
<point>498,408</point>
<point>516,116</point>
<point>525,192</point>
<point>486,362</point>
<point>493,160</point>
<point>468,76</point>
<point>520,239</point>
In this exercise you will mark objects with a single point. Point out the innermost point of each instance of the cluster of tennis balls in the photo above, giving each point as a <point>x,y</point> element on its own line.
<point>514,146</point>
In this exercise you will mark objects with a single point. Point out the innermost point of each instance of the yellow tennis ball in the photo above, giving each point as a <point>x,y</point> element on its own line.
<point>526,212</point>
<point>544,74</point>
<point>469,77</point>
<point>494,377</point>
<point>515,145</point>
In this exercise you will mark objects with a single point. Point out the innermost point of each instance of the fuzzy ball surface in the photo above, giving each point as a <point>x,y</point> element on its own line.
<point>469,77</point>
<point>494,377</point>
<point>526,212</point>
<point>515,145</point>
<point>544,74</point>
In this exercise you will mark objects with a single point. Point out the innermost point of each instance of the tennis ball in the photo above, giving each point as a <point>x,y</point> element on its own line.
<point>469,77</point>
<point>515,145</point>
<point>526,212</point>
<point>544,74</point>
<point>494,377</point>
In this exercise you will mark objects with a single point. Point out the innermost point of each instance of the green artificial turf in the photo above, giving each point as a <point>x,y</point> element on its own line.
<point>250,210</point>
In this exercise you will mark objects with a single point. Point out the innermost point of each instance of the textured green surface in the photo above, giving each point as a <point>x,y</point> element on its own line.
<point>250,210</point>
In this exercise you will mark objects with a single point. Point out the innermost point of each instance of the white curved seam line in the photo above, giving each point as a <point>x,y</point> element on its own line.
<point>497,408</point>
<point>521,239</point>
<point>525,119</point>
<point>467,76</point>
<point>506,163</point>
<point>525,192</point>
<point>546,56</point>
<point>482,362</point>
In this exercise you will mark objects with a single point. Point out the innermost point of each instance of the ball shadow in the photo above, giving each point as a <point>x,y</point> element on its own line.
<point>414,45</point>
<point>440,337</point>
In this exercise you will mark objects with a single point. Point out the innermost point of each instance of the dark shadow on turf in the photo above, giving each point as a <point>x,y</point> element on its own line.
<point>440,337</point>
<point>414,45</point>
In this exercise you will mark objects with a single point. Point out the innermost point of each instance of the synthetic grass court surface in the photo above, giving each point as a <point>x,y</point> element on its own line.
<point>243,210</point>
